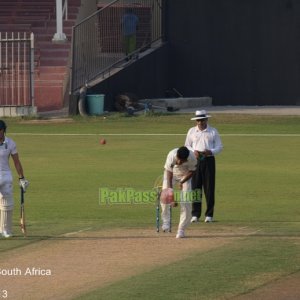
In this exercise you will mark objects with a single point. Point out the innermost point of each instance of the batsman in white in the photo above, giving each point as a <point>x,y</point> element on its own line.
<point>7,149</point>
<point>179,168</point>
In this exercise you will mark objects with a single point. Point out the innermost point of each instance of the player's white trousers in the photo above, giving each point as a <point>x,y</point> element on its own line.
<point>185,206</point>
<point>6,202</point>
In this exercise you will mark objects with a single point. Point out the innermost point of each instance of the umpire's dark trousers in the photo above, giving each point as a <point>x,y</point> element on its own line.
<point>204,179</point>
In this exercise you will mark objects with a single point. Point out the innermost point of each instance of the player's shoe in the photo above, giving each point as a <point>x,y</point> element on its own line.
<point>6,234</point>
<point>208,219</point>
<point>194,219</point>
<point>165,228</point>
<point>180,234</point>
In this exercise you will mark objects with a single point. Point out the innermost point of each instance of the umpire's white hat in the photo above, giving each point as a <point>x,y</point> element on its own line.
<point>200,114</point>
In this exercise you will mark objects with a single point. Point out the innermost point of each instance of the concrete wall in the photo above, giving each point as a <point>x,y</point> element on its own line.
<point>237,52</point>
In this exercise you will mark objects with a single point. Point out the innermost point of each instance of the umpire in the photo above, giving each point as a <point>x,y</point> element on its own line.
<point>205,141</point>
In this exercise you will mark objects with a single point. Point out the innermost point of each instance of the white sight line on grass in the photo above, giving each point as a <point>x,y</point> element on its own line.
<point>154,134</point>
<point>76,232</point>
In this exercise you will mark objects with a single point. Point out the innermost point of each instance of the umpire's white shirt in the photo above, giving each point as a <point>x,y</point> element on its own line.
<point>207,139</point>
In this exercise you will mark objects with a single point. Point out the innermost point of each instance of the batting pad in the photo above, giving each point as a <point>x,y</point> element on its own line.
<point>6,221</point>
<point>6,202</point>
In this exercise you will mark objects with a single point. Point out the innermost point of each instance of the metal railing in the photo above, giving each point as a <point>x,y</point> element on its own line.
<point>16,69</point>
<point>117,32</point>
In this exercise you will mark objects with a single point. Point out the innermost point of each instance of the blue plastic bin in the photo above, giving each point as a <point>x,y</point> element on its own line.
<point>95,104</point>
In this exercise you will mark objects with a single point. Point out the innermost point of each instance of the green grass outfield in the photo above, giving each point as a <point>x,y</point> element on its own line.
<point>257,187</point>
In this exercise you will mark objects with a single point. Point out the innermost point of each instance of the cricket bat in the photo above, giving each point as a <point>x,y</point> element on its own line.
<point>22,215</point>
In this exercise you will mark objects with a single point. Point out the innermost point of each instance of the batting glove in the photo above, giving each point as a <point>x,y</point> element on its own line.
<point>23,184</point>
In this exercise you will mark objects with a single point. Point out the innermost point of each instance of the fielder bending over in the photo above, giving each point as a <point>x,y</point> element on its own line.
<point>179,168</point>
<point>7,149</point>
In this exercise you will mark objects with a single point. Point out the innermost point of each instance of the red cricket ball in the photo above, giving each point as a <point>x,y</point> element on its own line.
<point>167,196</point>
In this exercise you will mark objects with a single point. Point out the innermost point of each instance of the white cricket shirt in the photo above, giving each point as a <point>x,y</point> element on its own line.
<point>183,169</point>
<point>6,149</point>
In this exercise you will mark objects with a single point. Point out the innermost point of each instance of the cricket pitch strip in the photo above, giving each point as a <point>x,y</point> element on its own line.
<point>64,268</point>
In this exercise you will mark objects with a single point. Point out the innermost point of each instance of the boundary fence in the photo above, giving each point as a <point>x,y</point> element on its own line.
<point>16,72</point>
